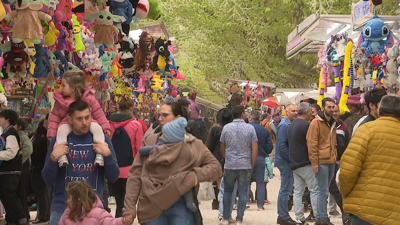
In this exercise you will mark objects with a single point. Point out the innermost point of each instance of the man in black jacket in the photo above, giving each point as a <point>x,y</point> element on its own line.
<point>372,99</point>
<point>303,172</point>
<point>10,169</point>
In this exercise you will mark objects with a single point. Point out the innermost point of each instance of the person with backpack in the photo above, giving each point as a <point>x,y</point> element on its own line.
<point>126,137</point>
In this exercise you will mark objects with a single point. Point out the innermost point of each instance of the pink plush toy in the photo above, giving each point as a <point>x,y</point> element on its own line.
<point>64,10</point>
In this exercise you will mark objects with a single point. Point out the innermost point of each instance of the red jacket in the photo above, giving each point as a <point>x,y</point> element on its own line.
<point>59,114</point>
<point>135,132</point>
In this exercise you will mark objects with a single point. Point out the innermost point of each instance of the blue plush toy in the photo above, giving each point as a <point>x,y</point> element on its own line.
<point>42,61</point>
<point>124,9</point>
<point>376,36</point>
<point>63,66</point>
<point>2,146</point>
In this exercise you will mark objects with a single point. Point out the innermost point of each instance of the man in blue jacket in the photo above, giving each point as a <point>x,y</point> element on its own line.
<point>81,152</point>
<point>282,162</point>
<point>264,148</point>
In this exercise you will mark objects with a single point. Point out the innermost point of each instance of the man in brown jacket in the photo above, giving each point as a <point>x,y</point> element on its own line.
<point>321,142</point>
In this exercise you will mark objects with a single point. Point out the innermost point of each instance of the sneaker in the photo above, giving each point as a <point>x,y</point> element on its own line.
<point>99,161</point>
<point>111,200</point>
<point>260,208</point>
<point>63,161</point>
<point>334,213</point>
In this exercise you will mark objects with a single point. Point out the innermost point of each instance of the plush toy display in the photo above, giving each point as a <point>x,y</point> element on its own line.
<point>376,36</point>
<point>106,61</point>
<point>163,62</point>
<point>16,60</point>
<point>346,79</point>
<point>104,29</point>
<point>27,23</point>
<point>124,10</point>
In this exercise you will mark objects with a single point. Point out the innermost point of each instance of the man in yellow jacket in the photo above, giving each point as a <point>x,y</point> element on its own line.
<point>369,179</point>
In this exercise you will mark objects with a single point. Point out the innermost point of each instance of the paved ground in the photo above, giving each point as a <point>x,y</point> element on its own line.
<point>252,216</point>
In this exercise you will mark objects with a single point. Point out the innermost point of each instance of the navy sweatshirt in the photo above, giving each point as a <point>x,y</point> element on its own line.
<point>298,150</point>
<point>81,167</point>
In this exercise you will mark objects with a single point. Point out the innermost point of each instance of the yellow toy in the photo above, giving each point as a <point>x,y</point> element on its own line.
<point>79,46</point>
<point>321,89</point>
<point>2,11</point>
<point>346,78</point>
<point>31,52</point>
<point>156,84</point>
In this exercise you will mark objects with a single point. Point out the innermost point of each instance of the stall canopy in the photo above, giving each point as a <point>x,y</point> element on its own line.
<point>316,30</point>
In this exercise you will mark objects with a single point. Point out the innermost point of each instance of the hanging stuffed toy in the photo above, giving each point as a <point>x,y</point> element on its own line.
<point>124,10</point>
<point>339,47</point>
<point>154,10</point>
<point>346,79</point>
<point>163,62</point>
<point>144,55</point>
<point>62,62</point>
<point>141,8</point>
<point>42,61</point>
<point>376,36</point>
<point>64,10</point>
<point>27,23</point>
<point>79,46</point>
<point>106,61</point>
<point>104,29</point>
<point>16,60</point>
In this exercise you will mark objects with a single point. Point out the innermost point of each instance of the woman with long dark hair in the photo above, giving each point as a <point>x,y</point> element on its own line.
<point>38,157</point>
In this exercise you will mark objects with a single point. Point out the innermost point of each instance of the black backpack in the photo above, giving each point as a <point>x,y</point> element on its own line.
<point>122,147</point>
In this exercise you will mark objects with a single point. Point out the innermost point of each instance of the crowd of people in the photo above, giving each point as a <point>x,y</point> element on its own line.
<point>77,157</point>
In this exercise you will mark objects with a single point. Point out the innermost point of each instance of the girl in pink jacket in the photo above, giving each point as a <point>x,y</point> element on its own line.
<point>85,208</point>
<point>74,88</point>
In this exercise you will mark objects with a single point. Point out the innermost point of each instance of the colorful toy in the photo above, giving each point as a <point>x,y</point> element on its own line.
<point>376,36</point>
<point>392,65</point>
<point>106,61</point>
<point>143,63</point>
<point>141,8</point>
<point>104,29</point>
<point>64,10</point>
<point>154,10</point>
<point>42,61</point>
<point>339,47</point>
<point>16,60</point>
<point>79,47</point>
<point>125,11</point>
<point>346,79</point>
<point>27,23</point>
<point>163,60</point>
<point>321,89</point>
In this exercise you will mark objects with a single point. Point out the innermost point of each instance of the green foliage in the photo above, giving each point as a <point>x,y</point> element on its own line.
<point>242,39</point>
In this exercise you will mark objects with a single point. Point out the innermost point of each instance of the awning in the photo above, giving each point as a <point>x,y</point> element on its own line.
<point>316,30</point>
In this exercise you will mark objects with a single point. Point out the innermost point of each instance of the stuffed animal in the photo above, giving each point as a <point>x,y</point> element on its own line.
<point>126,49</point>
<point>154,10</point>
<point>376,36</point>
<point>64,10</point>
<point>72,66</point>
<point>144,55</point>
<point>16,60</point>
<point>30,49</point>
<point>141,8</point>
<point>391,65</point>
<point>339,46</point>
<point>27,23</point>
<point>42,60</point>
<point>62,62</point>
<point>125,11</point>
<point>157,84</point>
<point>106,61</point>
<point>163,60</point>
<point>79,47</point>
<point>104,29</point>
<point>2,11</point>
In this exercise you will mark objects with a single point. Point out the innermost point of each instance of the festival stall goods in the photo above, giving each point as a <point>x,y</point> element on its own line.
<point>364,64</point>
<point>41,40</point>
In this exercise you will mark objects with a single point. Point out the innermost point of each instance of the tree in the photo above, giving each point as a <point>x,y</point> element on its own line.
<point>243,39</point>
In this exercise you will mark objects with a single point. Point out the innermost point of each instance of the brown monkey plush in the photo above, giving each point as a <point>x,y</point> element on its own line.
<point>16,59</point>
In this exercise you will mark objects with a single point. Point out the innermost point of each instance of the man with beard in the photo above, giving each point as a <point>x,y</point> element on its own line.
<point>321,142</point>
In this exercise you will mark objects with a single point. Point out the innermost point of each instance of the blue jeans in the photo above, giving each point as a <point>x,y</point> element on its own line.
<point>355,220</point>
<point>221,199</point>
<point>259,168</point>
<point>284,191</point>
<point>304,176</point>
<point>324,178</point>
<point>242,177</point>
<point>55,217</point>
<point>176,214</point>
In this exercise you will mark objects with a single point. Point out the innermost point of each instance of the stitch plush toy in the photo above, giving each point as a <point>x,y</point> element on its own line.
<point>16,60</point>
<point>124,10</point>
<point>104,29</point>
<point>27,23</point>
<point>376,36</point>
